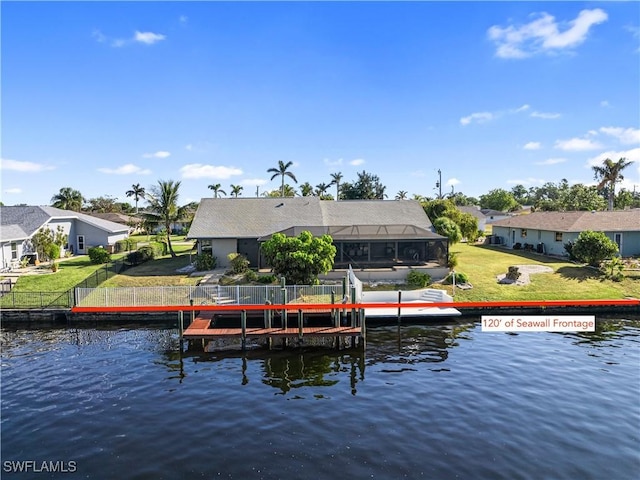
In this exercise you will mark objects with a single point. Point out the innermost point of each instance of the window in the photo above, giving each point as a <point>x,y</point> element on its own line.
<point>14,251</point>
<point>205,246</point>
<point>558,236</point>
<point>523,233</point>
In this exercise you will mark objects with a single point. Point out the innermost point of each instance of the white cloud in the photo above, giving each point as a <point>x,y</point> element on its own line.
<point>478,117</point>
<point>605,103</point>
<point>577,144</point>
<point>632,155</point>
<point>183,19</point>
<point>532,146</point>
<point>546,116</point>
<point>127,169</point>
<point>356,162</point>
<point>22,166</point>
<point>13,190</point>
<point>158,154</point>
<point>543,34</point>
<point>332,163</point>
<point>626,136</point>
<point>198,170</point>
<point>452,182</point>
<point>551,161</point>
<point>522,108</point>
<point>148,38</point>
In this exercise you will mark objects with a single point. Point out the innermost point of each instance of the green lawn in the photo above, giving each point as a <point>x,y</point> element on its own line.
<point>568,281</point>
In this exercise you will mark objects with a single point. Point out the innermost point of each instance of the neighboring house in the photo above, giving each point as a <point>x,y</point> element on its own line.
<point>134,223</point>
<point>18,224</point>
<point>492,216</point>
<point>366,233</point>
<point>549,231</point>
<point>476,212</point>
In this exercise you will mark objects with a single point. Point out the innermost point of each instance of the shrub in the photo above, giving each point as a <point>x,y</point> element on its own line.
<point>239,264</point>
<point>52,251</point>
<point>267,279</point>
<point>594,247</point>
<point>250,276</point>
<point>205,261</point>
<point>612,269</point>
<point>452,261</point>
<point>125,245</point>
<point>418,279</point>
<point>99,255</point>
<point>159,248</point>
<point>460,278</point>
<point>54,267</point>
<point>569,249</point>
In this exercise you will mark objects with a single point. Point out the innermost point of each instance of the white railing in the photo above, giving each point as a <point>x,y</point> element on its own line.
<point>206,295</point>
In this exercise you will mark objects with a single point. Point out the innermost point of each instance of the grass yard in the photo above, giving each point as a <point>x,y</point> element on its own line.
<point>568,281</point>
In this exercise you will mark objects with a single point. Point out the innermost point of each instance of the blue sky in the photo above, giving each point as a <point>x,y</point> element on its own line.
<point>99,96</point>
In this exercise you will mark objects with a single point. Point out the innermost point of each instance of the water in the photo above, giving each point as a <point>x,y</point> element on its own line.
<point>437,402</point>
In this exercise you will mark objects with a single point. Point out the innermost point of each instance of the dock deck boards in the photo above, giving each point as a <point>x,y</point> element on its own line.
<point>197,331</point>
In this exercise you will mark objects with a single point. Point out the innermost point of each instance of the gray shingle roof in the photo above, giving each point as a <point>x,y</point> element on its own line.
<point>21,222</point>
<point>625,220</point>
<point>260,217</point>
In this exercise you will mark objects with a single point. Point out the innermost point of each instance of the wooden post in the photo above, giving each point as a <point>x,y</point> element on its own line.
<point>300,324</point>
<point>399,300</point>
<point>334,316</point>
<point>284,302</point>
<point>363,328</point>
<point>193,313</point>
<point>180,326</point>
<point>243,326</point>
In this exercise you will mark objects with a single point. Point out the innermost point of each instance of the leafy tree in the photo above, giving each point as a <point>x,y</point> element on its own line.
<point>582,197</point>
<point>103,204</point>
<point>163,201</point>
<point>461,200</point>
<point>289,191</point>
<point>336,178</point>
<point>626,199</point>
<point>401,195</point>
<point>499,199</point>
<point>448,228</point>
<point>217,189</point>
<point>439,208</point>
<point>300,259</point>
<point>321,190</point>
<point>593,247</point>
<point>137,192</point>
<point>468,226</point>
<point>282,170</point>
<point>521,195</point>
<point>367,187</point>
<point>608,175</point>
<point>235,190</point>
<point>68,199</point>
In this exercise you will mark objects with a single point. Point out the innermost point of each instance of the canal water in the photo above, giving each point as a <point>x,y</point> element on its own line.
<point>439,402</point>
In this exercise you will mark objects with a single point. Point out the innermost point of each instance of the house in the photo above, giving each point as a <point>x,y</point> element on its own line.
<point>366,233</point>
<point>549,231</point>
<point>492,216</point>
<point>134,223</point>
<point>476,212</point>
<point>20,223</point>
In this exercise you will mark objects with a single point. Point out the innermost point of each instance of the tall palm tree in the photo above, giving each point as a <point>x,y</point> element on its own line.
<point>217,189</point>
<point>321,189</point>
<point>608,175</point>
<point>235,190</point>
<point>281,171</point>
<point>137,192</point>
<point>335,180</point>
<point>163,200</point>
<point>68,199</point>
<point>401,195</point>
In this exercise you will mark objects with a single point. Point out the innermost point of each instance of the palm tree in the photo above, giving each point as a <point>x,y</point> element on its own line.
<point>235,190</point>
<point>608,175</point>
<point>306,189</point>
<point>217,188</point>
<point>163,200</point>
<point>335,180</point>
<point>321,189</point>
<point>68,199</point>
<point>281,171</point>
<point>137,192</point>
<point>401,195</point>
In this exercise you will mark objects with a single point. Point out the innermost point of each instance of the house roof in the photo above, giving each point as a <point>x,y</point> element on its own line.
<point>624,220</point>
<point>363,232</point>
<point>261,217</point>
<point>120,218</point>
<point>473,210</point>
<point>20,222</point>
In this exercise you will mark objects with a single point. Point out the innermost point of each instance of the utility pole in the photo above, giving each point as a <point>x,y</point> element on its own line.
<point>439,184</point>
<point>257,190</point>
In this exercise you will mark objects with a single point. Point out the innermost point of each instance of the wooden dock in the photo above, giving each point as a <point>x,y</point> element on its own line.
<point>203,328</point>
